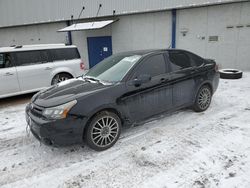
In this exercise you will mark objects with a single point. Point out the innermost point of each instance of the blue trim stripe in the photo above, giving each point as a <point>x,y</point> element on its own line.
<point>173,28</point>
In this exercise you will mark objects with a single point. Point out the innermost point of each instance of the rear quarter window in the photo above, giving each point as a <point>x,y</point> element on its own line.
<point>179,60</point>
<point>64,54</point>
<point>196,61</point>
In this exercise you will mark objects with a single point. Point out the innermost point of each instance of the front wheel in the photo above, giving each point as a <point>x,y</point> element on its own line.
<point>103,131</point>
<point>203,99</point>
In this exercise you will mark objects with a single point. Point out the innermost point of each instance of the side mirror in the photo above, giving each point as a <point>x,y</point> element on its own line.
<point>144,78</point>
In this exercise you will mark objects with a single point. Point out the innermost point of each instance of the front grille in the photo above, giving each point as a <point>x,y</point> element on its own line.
<point>36,110</point>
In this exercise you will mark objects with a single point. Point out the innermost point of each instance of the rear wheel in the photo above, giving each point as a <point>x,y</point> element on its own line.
<point>60,77</point>
<point>103,131</point>
<point>203,99</point>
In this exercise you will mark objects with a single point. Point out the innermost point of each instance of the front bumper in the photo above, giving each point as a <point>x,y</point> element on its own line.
<point>56,132</point>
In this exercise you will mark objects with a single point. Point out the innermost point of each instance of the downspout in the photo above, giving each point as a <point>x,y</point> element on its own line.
<point>173,28</point>
<point>69,34</point>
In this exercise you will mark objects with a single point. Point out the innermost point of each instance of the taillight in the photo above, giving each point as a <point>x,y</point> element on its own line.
<point>82,66</point>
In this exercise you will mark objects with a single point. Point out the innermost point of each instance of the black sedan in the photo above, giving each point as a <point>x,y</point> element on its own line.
<point>121,90</point>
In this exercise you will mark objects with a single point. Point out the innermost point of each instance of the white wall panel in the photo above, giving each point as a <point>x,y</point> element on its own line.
<point>44,33</point>
<point>233,45</point>
<point>145,31</point>
<point>194,21</point>
<point>243,46</point>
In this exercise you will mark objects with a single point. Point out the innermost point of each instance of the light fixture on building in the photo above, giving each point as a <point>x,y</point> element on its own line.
<point>240,26</point>
<point>230,27</point>
<point>184,31</point>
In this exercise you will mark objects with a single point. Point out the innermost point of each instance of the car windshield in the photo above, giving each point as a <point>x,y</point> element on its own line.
<point>113,68</point>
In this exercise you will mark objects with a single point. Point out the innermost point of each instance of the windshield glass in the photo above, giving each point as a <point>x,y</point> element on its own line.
<point>114,68</point>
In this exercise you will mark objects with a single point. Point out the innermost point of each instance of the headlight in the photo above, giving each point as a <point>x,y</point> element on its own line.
<point>58,112</point>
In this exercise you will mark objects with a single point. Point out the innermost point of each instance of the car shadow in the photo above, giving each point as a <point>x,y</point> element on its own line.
<point>15,100</point>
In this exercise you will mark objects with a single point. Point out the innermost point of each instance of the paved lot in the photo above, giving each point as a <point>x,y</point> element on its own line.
<point>184,149</point>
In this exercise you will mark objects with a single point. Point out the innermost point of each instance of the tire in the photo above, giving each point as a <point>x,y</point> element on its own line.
<point>60,77</point>
<point>230,74</point>
<point>103,131</point>
<point>203,99</point>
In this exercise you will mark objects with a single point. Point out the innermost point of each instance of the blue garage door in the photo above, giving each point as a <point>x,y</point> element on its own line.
<point>99,48</point>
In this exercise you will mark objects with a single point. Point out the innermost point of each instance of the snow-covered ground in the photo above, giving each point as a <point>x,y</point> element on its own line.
<point>183,149</point>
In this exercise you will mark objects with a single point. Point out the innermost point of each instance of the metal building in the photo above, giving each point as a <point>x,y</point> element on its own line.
<point>217,29</point>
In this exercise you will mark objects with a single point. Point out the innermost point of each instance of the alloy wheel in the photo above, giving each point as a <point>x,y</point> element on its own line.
<point>61,78</point>
<point>105,131</point>
<point>204,98</point>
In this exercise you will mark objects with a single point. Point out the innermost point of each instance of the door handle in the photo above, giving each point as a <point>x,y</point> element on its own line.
<point>48,68</point>
<point>8,74</point>
<point>164,80</point>
<point>193,71</point>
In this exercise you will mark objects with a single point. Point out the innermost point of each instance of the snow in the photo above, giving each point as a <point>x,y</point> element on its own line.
<point>182,149</point>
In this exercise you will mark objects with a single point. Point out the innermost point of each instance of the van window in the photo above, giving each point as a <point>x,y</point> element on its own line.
<point>6,60</point>
<point>31,57</point>
<point>1,61</point>
<point>64,54</point>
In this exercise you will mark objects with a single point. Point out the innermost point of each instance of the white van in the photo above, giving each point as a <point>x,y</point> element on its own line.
<point>30,68</point>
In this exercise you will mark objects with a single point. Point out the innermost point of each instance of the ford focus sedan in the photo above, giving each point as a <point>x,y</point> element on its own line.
<point>123,89</point>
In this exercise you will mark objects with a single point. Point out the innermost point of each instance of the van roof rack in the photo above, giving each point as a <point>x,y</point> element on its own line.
<point>19,46</point>
<point>37,45</point>
<point>42,45</point>
<point>13,48</point>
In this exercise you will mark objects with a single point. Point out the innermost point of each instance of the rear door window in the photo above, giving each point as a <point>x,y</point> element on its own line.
<point>153,66</point>
<point>179,60</point>
<point>31,57</point>
<point>64,54</point>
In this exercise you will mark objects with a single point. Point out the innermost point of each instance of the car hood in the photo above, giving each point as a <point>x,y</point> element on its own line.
<point>67,91</point>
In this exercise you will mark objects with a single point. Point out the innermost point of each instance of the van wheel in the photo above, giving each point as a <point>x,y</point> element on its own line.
<point>203,99</point>
<point>103,131</point>
<point>60,77</point>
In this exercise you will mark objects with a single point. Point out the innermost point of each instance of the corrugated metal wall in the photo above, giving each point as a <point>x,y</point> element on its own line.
<point>21,12</point>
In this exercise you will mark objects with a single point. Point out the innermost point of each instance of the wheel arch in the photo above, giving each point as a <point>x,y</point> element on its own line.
<point>209,84</point>
<point>108,109</point>
<point>60,70</point>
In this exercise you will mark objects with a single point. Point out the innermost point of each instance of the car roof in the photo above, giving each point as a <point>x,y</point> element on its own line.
<point>147,52</point>
<point>16,48</point>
